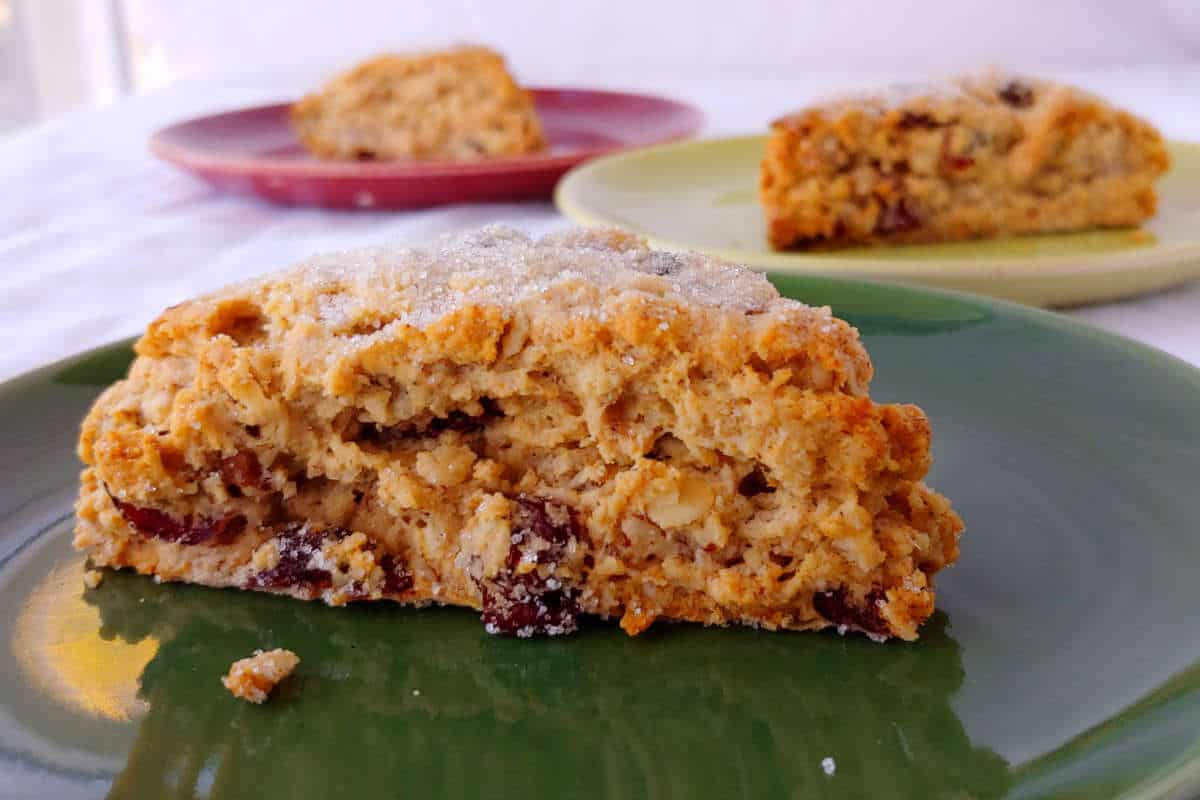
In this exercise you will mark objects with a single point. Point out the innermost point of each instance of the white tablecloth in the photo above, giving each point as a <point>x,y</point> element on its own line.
<point>96,236</point>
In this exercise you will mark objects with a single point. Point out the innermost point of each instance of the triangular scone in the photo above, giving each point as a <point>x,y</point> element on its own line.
<point>988,154</point>
<point>537,429</point>
<point>454,104</point>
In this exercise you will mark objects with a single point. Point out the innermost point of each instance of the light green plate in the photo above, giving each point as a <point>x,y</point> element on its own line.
<point>1064,662</point>
<point>702,196</point>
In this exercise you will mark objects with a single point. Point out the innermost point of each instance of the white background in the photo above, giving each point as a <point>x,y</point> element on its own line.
<point>552,41</point>
<point>59,54</point>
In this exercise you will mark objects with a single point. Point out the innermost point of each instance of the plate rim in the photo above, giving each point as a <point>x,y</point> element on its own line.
<point>803,263</point>
<point>691,120</point>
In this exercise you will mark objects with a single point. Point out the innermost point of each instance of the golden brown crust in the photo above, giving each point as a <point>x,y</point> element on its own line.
<point>662,435</point>
<point>984,156</point>
<point>453,104</point>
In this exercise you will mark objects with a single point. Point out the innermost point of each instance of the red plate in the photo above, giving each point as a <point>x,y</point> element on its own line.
<point>254,151</point>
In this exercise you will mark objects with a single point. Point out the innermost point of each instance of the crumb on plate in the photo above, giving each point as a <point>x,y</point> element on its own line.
<point>92,578</point>
<point>252,679</point>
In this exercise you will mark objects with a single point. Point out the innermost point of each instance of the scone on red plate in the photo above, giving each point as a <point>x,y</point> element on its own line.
<point>459,104</point>
<point>984,155</point>
<point>537,429</point>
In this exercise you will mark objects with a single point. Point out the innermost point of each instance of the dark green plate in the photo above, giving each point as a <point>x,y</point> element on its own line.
<point>1064,662</point>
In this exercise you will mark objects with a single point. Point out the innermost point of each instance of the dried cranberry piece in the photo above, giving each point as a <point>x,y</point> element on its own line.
<point>835,606</point>
<point>542,527</point>
<point>533,602</point>
<point>511,608</point>
<point>155,524</point>
<point>958,163</point>
<point>396,579</point>
<point>243,470</point>
<point>297,543</point>
<point>916,119</point>
<point>1016,94</point>
<point>897,218</point>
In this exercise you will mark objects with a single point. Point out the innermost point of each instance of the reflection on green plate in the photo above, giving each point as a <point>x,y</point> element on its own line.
<point>1064,662</point>
<point>702,196</point>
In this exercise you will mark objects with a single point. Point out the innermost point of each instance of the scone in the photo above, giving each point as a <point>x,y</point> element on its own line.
<point>454,104</point>
<point>535,429</point>
<point>984,155</point>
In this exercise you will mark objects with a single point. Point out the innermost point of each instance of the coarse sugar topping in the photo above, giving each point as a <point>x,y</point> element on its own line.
<point>987,85</point>
<point>501,267</point>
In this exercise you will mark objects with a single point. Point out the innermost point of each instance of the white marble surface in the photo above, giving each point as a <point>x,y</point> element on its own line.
<point>96,236</point>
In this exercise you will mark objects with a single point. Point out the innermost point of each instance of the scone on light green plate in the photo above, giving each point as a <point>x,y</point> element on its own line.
<point>704,196</point>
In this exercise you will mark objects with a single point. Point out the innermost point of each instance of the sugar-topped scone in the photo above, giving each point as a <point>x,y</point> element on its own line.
<point>454,104</point>
<point>984,155</point>
<point>536,429</point>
